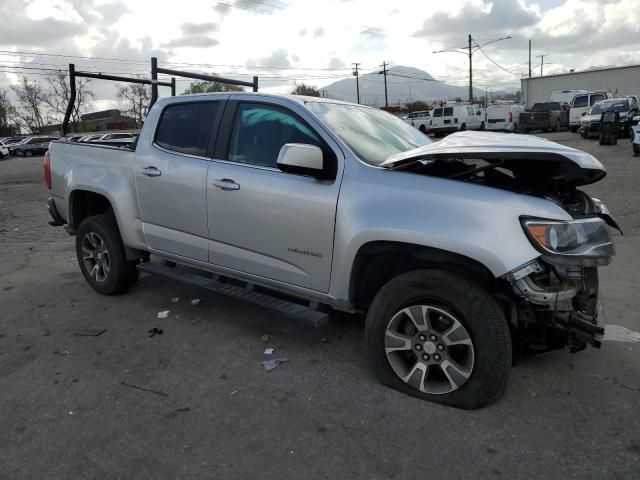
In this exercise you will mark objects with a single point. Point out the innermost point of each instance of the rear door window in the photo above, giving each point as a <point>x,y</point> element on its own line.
<point>581,101</point>
<point>186,127</point>
<point>448,112</point>
<point>596,99</point>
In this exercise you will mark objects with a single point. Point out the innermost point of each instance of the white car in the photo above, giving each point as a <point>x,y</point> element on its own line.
<point>4,151</point>
<point>635,135</point>
<point>503,117</point>
<point>581,105</point>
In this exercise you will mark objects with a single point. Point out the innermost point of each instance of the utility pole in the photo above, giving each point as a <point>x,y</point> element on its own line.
<point>542,61</point>
<point>384,72</point>
<point>470,73</point>
<point>529,58</point>
<point>355,74</point>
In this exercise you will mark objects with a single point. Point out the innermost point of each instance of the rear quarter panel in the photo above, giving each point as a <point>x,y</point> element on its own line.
<point>103,170</point>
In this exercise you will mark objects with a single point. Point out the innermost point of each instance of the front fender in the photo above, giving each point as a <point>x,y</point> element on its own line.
<point>477,222</point>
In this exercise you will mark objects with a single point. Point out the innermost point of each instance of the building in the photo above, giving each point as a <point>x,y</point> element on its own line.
<point>106,120</point>
<point>618,80</point>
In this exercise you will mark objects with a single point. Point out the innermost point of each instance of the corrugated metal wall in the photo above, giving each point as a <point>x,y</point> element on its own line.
<point>620,81</point>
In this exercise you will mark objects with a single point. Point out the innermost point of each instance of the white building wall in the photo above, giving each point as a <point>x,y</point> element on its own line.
<point>620,81</point>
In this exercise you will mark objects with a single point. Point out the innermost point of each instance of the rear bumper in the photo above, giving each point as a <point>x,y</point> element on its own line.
<point>56,219</point>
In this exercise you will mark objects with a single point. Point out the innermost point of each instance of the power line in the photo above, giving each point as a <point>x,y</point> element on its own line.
<point>494,62</point>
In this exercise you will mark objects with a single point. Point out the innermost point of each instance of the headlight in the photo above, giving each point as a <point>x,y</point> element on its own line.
<point>586,237</point>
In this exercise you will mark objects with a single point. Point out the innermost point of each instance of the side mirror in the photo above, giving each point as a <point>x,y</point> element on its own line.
<point>584,113</point>
<point>301,159</point>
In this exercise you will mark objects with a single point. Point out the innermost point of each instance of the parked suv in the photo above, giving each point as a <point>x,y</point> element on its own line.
<point>461,252</point>
<point>581,104</point>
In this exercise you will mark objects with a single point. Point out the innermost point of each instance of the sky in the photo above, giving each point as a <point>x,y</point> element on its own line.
<point>284,41</point>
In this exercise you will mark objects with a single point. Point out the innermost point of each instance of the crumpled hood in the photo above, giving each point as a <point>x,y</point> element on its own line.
<point>580,167</point>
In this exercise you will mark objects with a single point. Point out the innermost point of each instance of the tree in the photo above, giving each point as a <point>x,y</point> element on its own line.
<point>135,98</point>
<point>208,86</point>
<point>57,98</point>
<point>417,106</point>
<point>7,113</point>
<point>31,104</point>
<point>304,89</point>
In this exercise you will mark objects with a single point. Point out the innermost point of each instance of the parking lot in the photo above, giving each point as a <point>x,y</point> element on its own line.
<point>195,402</point>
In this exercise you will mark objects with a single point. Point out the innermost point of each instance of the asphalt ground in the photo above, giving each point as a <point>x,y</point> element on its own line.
<point>73,406</point>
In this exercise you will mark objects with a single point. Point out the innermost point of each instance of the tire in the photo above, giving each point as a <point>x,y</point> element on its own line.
<point>463,127</point>
<point>28,153</point>
<point>107,271</point>
<point>423,129</point>
<point>482,127</point>
<point>573,129</point>
<point>482,366</point>
<point>557,127</point>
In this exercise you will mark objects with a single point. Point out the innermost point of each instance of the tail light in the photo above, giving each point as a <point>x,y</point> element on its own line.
<point>47,169</point>
<point>510,117</point>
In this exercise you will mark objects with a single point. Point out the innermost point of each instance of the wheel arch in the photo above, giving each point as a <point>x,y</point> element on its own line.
<point>377,262</point>
<point>85,202</point>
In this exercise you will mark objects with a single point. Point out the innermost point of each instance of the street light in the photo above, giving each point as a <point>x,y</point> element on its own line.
<point>470,51</point>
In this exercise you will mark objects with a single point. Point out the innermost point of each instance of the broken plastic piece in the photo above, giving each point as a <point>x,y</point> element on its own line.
<point>195,301</point>
<point>268,351</point>
<point>163,314</point>
<point>89,332</point>
<point>175,299</point>
<point>271,364</point>
<point>155,331</point>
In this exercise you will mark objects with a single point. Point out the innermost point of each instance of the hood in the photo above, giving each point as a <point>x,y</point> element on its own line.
<point>590,118</point>
<point>524,153</point>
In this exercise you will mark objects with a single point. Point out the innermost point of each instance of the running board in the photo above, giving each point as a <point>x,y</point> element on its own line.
<point>306,314</point>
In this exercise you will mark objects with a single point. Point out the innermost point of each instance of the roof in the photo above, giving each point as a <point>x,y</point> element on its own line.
<point>297,98</point>
<point>604,69</point>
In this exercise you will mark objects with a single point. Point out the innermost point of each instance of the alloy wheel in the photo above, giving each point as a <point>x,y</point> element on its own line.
<point>429,349</point>
<point>95,256</point>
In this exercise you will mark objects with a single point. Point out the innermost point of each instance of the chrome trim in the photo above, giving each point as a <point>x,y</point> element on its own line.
<point>188,155</point>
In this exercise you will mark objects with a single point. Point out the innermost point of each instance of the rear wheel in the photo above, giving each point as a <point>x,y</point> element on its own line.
<point>422,129</point>
<point>101,256</point>
<point>482,126</point>
<point>573,129</point>
<point>463,127</point>
<point>439,337</point>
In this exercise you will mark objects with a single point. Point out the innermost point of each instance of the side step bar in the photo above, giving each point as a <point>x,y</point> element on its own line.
<point>306,314</point>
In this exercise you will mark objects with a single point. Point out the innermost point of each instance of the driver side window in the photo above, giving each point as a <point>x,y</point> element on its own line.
<point>260,131</point>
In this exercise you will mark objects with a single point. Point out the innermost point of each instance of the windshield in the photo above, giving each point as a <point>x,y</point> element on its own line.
<point>610,106</point>
<point>372,134</point>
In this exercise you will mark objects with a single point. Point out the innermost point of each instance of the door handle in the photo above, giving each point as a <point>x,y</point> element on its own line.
<point>151,171</point>
<point>225,184</point>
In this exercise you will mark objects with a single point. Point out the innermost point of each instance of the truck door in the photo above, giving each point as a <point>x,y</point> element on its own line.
<point>171,178</point>
<point>262,221</point>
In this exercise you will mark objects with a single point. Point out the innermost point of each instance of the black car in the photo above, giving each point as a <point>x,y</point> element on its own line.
<point>626,107</point>
<point>33,146</point>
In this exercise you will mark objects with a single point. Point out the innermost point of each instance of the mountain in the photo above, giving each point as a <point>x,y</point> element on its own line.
<point>404,84</point>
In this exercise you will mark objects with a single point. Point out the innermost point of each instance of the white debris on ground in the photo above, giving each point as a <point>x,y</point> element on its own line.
<point>195,301</point>
<point>163,314</point>
<point>618,333</point>
<point>271,364</point>
<point>268,351</point>
<point>175,299</point>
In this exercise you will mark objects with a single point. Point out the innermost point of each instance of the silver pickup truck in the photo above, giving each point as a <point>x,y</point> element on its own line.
<point>464,253</point>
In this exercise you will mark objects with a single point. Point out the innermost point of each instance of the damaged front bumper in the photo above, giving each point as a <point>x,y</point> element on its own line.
<point>557,305</point>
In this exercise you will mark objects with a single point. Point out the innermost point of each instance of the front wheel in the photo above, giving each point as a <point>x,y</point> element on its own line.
<point>102,258</point>
<point>439,337</point>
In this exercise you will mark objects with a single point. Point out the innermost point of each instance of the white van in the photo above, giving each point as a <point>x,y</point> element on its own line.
<point>503,117</point>
<point>581,104</point>
<point>565,96</point>
<point>458,117</point>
